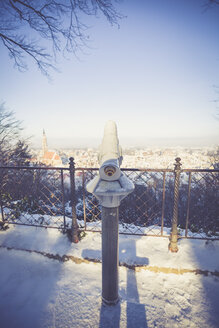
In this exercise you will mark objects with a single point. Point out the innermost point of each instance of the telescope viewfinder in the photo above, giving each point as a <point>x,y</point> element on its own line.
<point>109,170</point>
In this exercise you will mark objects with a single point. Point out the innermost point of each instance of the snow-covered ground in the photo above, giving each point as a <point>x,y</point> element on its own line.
<point>40,287</point>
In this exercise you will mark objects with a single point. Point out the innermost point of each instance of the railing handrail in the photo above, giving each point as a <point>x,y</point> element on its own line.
<point>148,169</point>
<point>34,167</point>
<point>96,169</point>
<point>200,170</point>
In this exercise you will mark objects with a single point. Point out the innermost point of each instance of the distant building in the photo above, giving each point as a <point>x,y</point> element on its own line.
<point>49,157</point>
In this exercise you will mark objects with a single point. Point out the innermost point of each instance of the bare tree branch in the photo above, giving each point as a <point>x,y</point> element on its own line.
<point>213,2</point>
<point>59,23</point>
<point>209,3</point>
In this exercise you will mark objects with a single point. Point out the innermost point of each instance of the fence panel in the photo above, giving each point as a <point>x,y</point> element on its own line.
<point>202,215</point>
<point>33,196</point>
<point>142,212</point>
<point>40,196</point>
<point>87,204</point>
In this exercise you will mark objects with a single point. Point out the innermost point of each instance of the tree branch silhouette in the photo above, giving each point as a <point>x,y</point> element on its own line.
<point>58,25</point>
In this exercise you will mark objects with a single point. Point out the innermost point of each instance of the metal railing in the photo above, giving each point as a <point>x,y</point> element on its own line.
<point>33,196</point>
<point>168,203</point>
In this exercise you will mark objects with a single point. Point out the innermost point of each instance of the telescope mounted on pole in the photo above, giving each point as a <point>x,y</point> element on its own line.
<point>111,185</point>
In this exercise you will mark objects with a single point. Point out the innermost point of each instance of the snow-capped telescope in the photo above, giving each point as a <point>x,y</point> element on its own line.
<point>111,185</point>
<point>110,155</point>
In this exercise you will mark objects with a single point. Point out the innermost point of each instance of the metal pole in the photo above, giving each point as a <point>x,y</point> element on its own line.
<point>84,204</point>
<point>2,219</point>
<point>188,204</point>
<point>2,185</point>
<point>63,198</point>
<point>163,203</point>
<point>74,227</point>
<point>174,234</point>
<point>110,255</point>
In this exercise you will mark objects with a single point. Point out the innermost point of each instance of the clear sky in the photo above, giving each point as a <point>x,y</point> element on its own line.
<point>154,76</point>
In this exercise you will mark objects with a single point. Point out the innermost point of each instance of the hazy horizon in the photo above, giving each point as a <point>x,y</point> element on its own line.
<point>127,142</point>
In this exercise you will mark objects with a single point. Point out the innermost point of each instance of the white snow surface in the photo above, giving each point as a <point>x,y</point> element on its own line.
<point>37,291</point>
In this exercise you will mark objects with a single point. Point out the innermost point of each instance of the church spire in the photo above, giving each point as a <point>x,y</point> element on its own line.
<point>44,143</point>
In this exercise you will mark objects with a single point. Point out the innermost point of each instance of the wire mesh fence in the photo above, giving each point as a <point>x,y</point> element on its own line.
<point>33,196</point>
<point>88,208</point>
<point>201,218</point>
<point>142,212</point>
<point>42,196</point>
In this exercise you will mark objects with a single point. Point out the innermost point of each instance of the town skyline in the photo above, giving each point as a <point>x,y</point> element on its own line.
<point>134,157</point>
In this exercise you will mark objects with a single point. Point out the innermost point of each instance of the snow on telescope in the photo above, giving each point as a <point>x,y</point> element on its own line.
<point>110,155</point>
<point>110,186</point>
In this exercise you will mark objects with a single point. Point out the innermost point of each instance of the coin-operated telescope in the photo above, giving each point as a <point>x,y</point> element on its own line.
<point>110,186</point>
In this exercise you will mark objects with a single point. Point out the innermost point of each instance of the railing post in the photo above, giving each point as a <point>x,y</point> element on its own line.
<point>63,199</point>
<point>163,203</point>
<point>84,204</point>
<point>2,219</point>
<point>188,204</point>
<point>1,215</point>
<point>174,234</point>
<point>74,227</point>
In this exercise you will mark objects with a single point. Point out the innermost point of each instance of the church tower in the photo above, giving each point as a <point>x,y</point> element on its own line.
<point>44,143</point>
